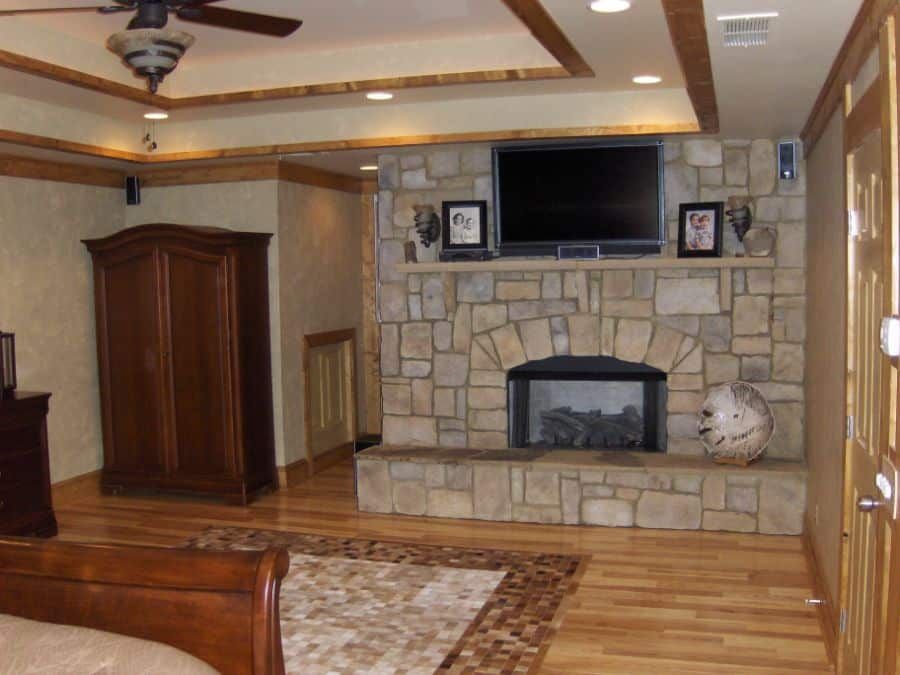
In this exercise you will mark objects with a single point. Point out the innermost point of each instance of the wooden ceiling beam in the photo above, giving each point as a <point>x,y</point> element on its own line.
<point>546,31</point>
<point>687,27</point>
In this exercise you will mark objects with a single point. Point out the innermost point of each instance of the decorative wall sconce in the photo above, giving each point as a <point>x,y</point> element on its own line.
<point>740,215</point>
<point>7,364</point>
<point>428,223</point>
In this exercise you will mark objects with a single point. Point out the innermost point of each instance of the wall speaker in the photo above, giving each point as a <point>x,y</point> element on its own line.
<point>132,190</point>
<point>787,160</point>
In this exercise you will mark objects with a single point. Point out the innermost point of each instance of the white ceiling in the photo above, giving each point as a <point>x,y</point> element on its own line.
<point>769,91</point>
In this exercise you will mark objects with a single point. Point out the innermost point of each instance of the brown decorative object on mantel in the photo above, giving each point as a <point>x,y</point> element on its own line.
<point>409,252</point>
<point>26,506</point>
<point>7,364</point>
<point>185,366</point>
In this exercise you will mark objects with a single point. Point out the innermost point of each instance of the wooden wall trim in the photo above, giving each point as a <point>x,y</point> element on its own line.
<point>864,118</point>
<point>293,474</point>
<point>546,31</point>
<point>72,147</point>
<point>30,140</point>
<point>76,78</point>
<point>85,486</point>
<point>829,612</point>
<point>429,139</point>
<point>24,167</point>
<point>687,27</point>
<point>307,175</point>
<point>360,86</point>
<point>201,175</point>
<point>859,43</point>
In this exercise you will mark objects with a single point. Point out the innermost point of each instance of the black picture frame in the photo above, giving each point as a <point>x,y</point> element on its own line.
<point>454,239</point>
<point>694,238</point>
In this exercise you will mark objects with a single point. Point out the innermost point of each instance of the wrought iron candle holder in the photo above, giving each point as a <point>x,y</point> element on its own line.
<point>7,364</point>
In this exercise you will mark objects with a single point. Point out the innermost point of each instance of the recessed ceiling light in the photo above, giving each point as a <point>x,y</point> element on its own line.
<point>646,79</point>
<point>369,167</point>
<point>379,96</point>
<point>609,6</point>
<point>156,115</point>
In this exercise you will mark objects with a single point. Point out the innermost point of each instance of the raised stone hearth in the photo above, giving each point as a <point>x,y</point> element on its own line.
<point>583,488</point>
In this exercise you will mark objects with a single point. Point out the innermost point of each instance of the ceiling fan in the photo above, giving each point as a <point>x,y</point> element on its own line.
<point>154,51</point>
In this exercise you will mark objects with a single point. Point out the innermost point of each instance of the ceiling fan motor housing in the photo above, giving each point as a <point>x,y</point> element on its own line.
<point>150,14</point>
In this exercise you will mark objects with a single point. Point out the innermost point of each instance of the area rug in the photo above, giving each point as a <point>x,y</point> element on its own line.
<point>353,606</point>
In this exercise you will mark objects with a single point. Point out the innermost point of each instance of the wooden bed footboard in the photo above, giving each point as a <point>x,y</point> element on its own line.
<point>220,606</point>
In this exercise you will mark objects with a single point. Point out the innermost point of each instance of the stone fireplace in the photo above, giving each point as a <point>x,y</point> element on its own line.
<point>587,403</point>
<point>460,340</point>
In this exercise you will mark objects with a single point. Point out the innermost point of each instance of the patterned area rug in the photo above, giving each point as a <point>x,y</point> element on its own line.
<point>353,606</point>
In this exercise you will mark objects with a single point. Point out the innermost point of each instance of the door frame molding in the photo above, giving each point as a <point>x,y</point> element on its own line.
<point>311,341</point>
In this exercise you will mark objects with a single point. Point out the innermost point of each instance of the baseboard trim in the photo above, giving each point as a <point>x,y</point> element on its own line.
<point>828,611</point>
<point>332,457</point>
<point>293,474</point>
<point>76,489</point>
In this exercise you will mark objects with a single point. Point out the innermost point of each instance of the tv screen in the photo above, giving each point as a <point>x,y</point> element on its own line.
<point>609,195</point>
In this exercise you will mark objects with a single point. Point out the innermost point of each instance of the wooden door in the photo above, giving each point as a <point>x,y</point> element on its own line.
<point>131,380</point>
<point>331,393</point>
<point>870,144</point>
<point>196,356</point>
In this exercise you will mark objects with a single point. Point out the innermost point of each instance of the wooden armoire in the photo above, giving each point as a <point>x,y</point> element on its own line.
<point>185,372</point>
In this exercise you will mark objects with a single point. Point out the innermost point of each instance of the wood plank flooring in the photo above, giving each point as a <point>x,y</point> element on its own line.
<point>651,601</point>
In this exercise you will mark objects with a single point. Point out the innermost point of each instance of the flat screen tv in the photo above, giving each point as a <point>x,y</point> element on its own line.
<point>608,195</point>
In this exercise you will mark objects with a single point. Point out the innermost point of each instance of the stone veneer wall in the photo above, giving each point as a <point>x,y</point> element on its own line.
<point>448,339</point>
<point>709,497</point>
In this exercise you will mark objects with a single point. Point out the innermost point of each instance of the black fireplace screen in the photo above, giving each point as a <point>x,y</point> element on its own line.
<point>587,402</point>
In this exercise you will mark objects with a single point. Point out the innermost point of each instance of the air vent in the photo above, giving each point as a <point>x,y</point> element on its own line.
<point>747,30</point>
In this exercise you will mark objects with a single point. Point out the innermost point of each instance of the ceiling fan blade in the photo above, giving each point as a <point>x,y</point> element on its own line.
<point>238,20</point>
<point>51,10</point>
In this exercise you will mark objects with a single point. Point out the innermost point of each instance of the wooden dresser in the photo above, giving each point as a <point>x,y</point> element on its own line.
<point>25,504</point>
<point>185,367</point>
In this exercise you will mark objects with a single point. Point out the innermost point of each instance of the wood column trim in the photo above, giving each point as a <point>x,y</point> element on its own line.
<point>687,27</point>
<point>24,167</point>
<point>828,612</point>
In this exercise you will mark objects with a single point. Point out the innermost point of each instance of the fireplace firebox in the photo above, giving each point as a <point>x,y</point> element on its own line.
<point>587,402</point>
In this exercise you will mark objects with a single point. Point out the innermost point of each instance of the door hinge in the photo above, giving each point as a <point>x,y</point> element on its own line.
<point>843,620</point>
<point>850,426</point>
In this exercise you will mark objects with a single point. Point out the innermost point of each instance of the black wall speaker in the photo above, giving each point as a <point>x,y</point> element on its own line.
<point>132,190</point>
<point>787,160</point>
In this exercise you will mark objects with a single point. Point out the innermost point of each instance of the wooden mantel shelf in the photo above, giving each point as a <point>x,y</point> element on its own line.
<point>520,265</point>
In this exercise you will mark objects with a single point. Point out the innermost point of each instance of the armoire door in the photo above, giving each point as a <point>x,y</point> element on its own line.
<point>196,349</point>
<point>130,368</point>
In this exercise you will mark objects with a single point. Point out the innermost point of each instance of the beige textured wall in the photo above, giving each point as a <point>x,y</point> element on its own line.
<point>250,206</point>
<point>321,288</point>
<point>46,299</point>
<point>826,343</point>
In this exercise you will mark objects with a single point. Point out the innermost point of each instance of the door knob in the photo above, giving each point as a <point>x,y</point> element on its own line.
<point>868,503</point>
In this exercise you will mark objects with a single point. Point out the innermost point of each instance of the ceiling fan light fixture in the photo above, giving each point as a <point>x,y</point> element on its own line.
<point>156,115</point>
<point>369,167</point>
<point>151,52</point>
<point>379,96</point>
<point>646,79</point>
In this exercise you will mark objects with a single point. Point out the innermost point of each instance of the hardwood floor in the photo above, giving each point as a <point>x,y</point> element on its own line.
<point>651,601</point>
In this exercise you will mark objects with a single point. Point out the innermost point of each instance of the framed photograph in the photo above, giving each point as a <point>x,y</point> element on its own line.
<point>700,230</point>
<point>464,225</point>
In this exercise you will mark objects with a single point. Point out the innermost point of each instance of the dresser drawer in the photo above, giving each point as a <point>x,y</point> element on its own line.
<point>19,439</point>
<point>21,498</point>
<point>21,467</point>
